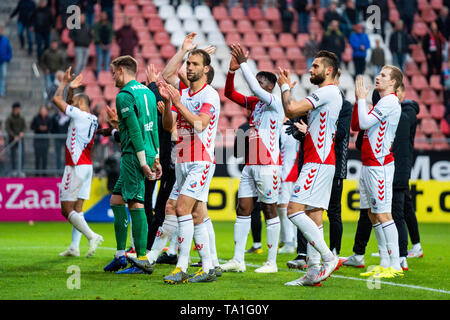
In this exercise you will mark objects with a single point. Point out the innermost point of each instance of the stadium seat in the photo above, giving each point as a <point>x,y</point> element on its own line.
<point>148,47</point>
<point>168,51</point>
<point>232,38</point>
<point>269,40</point>
<point>65,36</point>
<point>216,38</point>
<point>266,65</point>
<point>177,38</point>
<point>272,14</point>
<point>293,53</point>
<point>191,25</point>
<point>428,15</point>
<point>423,112</point>
<point>411,94</point>
<point>161,38</point>
<point>166,11</point>
<point>237,13</point>
<point>262,26</point>
<point>143,36</point>
<point>258,52</point>
<point>428,96</point>
<point>276,53</point>
<point>226,26</point>
<point>173,24</point>
<point>445,127</point>
<point>115,50</point>
<point>202,12</point>
<point>419,82</point>
<point>394,15</point>
<point>300,66</point>
<point>419,29</point>
<point>132,11</point>
<point>437,111</point>
<point>435,82</point>
<point>155,25</point>
<point>422,4</point>
<point>70,51</point>
<point>93,91</point>
<point>149,11</point>
<point>110,93</point>
<point>421,141</point>
<point>255,14</point>
<point>287,40</point>
<point>244,26</point>
<point>439,141</point>
<point>283,64</point>
<point>220,13</point>
<point>88,77</point>
<point>436,4</point>
<point>411,69</point>
<point>251,39</point>
<point>428,126</point>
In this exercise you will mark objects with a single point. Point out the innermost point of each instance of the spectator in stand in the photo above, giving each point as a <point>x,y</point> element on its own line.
<point>108,7</point>
<point>361,9</point>
<point>103,35</point>
<point>59,125</point>
<point>126,38</point>
<point>41,125</point>
<point>287,13</point>
<point>303,8</point>
<point>377,59</point>
<point>407,10</point>
<point>398,45</point>
<point>443,22</point>
<point>15,128</point>
<point>384,10</point>
<point>52,89</point>
<point>311,48</point>
<point>333,40</point>
<point>433,45</point>
<point>330,15</point>
<point>82,38</point>
<point>360,44</point>
<point>24,8</point>
<point>87,7</point>
<point>43,22</point>
<point>349,18</point>
<point>51,61</point>
<point>5,58</point>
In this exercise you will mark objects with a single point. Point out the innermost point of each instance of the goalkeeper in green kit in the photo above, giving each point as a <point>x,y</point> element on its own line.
<point>139,142</point>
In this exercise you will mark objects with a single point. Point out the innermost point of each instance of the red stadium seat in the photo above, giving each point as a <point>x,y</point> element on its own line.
<point>156,25</point>
<point>220,13</point>
<point>262,26</point>
<point>251,39</point>
<point>70,51</point>
<point>149,11</point>
<point>428,126</point>
<point>110,93</point>
<point>255,14</point>
<point>93,91</point>
<point>226,26</point>
<point>257,53</point>
<point>287,40</point>
<point>266,65</point>
<point>132,11</point>
<point>269,40</point>
<point>428,96</point>
<point>419,29</point>
<point>161,38</point>
<point>115,50</point>
<point>417,54</point>
<point>300,66</point>
<point>428,15</point>
<point>419,82</point>
<point>65,36</point>
<point>88,78</point>
<point>138,23</point>
<point>302,38</point>
<point>105,78</point>
<point>422,4</point>
<point>411,94</point>
<point>439,141</point>
<point>423,112</point>
<point>168,51</point>
<point>445,127</point>
<point>293,53</point>
<point>143,36</point>
<point>283,64</point>
<point>437,111</point>
<point>394,15</point>
<point>411,68</point>
<point>237,13</point>
<point>436,4</point>
<point>276,53</point>
<point>421,141</point>
<point>272,14</point>
<point>232,38</point>
<point>150,51</point>
<point>244,26</point>
<point>435,82</point>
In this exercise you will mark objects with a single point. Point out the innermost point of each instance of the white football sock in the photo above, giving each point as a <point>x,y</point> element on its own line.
<point>287,230</point>
<point>185,236</point>
<point>163,235</point>
<point>273,234</point>
<point>381,242</point>
<point>312,233</point>
<point>76,236</point>
<point>212,242</point>
<point>241,230</point>
<point>77,220</point>
<point>391,235</point>
<point>119,253</point>
<point>257,245</point>
<point>173,247</point>
<point>416,246</point>
<point>201,240</point>
<point>313,256</point>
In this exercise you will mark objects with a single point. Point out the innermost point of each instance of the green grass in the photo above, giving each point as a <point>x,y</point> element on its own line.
<point>30,268</point>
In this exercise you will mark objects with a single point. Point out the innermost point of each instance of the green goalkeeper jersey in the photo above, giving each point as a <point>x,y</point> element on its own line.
<point>138,120</point>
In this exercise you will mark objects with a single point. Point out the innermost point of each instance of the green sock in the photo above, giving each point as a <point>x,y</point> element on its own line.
<point>139,228</point>
<point>120,225</point>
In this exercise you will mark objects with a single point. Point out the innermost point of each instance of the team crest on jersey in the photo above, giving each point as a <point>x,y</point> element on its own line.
<point>197,106</point>
<point>268,194</point>
<point>296,189</point>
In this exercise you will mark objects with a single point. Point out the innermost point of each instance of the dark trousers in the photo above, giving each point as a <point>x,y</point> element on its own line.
<point>363,231</point>
<point>411,219</point>
<point>15,154</point>
<point>398,214</point>
<point>155,221</point>
<point>434,64</point>
<point>256,223</point>
<point>40,154</point>
<point>42,42</point>
<point>334,216</point>
<point>360,65</point>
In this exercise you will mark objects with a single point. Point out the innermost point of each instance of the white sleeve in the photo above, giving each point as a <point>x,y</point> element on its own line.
<point>74,112</point>
<point>367,120</point>
<point>262,94</point>
<point>320,97</point>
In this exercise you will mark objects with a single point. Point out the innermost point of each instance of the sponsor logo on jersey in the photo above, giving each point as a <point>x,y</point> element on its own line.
<point>315,97</point>
<point>124,109</point>
<point>148,126</point>
<point>378,112</point>
<point>138,86</point>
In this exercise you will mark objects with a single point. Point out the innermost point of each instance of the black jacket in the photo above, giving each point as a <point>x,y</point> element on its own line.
<point>341,139</point>
<point>24,8</point>
<point>399,42</point>
<point>403,146</point>
<point>42,20</point>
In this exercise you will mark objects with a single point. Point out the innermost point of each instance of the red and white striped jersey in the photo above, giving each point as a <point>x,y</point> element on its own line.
<point>322,124</point>
<point>377,142</point>
<point>80,136</point>
<point>289,153</point>
<point>193,145</point>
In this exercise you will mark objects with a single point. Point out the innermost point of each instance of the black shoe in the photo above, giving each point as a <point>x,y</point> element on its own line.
<point>166,258</point>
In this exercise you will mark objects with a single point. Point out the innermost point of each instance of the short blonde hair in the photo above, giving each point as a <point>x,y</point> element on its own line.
<point>396,74</point>
<point>128,62</point>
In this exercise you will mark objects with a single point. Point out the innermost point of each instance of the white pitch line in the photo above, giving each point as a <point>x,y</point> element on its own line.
<point>257,266</point>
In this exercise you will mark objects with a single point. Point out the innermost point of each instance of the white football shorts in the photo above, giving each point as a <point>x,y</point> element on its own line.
<point>262,181</point>
<point>76,183</point>
<point>375,188</point>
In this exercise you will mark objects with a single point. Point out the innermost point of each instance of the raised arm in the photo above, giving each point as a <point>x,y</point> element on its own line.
<point>168,116</point>
<point>365,119</point>
<point>58,98</point>
<point>292,109</point>
<point>170,71</point>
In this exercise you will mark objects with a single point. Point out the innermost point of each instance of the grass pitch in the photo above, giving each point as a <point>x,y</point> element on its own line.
<point>30,268</point>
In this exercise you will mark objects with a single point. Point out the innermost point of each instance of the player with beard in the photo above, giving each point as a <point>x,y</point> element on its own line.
<point>312,191</point>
